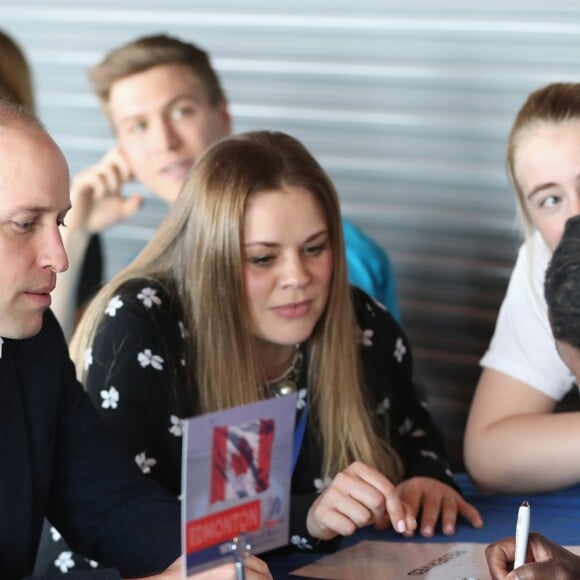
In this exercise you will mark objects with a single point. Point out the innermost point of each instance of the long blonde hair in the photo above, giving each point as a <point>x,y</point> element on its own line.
<point>198,249</point>
<point>552,104</point>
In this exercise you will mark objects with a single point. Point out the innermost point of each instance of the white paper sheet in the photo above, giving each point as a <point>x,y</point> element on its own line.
<point>395,560</point>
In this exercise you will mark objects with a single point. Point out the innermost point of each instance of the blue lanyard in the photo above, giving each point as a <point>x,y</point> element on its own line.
<point>299,436</point>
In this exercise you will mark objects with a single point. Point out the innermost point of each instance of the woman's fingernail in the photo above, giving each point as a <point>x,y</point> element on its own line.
<point>401,527</point>
<point>428,531</point>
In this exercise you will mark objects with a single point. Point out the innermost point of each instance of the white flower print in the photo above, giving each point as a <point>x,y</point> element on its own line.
<point>145,463</point>
<point>383,406</point>
<point>176,426</point>
<point>114,304</point>
<point>92,563</point>
<point>430,454</point>
<point>449,473</point>
<point>301,401</point>
<point>182,330</point>
<point>380,305</point>
<point>147,358</point>
<point>370,308</point>
<point>110,398</point>
<point>418,432</point>
<point>301,543</point>
<point>366,336</point>
<point>406,426</point>
<point>321,484</point>
<point>149,297</point>
<point>88,358</point>
<point>55,534</point>
<point>400,350</point>
<point>64,562</point>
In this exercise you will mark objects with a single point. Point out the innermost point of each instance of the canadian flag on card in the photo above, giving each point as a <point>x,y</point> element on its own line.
<point>241,457</point>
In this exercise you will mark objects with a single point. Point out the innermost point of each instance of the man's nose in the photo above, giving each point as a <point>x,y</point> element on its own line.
<point>166,136</point>
<point>53,254</point>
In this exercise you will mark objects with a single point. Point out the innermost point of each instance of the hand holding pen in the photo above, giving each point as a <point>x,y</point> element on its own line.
<point>546,560</point>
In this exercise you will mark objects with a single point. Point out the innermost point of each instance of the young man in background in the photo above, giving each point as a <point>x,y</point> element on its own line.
<point>166,105</point>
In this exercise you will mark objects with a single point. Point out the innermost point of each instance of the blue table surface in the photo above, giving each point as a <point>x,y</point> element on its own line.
<point>555,514</point>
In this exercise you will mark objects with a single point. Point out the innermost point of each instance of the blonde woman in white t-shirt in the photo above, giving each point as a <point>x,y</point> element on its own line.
<point>514,442</point>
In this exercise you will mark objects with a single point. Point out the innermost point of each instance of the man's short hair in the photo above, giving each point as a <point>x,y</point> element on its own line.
<point>562,286</point>
<point>151,51</point>
<point>12,113</point>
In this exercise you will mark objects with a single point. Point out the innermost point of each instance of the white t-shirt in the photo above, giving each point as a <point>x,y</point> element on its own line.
<point>522,345</point>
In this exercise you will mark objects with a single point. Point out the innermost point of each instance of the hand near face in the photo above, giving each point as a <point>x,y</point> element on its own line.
<point>437,502</point>
<point>545,560</point>
<point>97,202</point>
<point>358,496</point>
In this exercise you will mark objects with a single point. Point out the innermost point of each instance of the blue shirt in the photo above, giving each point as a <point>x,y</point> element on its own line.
<point>369,267</point>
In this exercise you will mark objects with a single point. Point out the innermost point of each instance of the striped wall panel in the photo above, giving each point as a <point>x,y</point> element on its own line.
<point>406,104</point>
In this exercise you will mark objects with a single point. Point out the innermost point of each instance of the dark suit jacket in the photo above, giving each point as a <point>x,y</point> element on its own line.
<point>58,460</point>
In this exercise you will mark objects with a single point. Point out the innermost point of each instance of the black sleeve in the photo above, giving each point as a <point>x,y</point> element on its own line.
<point>395,404</point>
<point>99,500</point>
<point>299,536</point>
<point>132,377</point>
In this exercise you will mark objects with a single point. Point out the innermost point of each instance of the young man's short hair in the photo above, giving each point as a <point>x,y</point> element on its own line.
<point>151,51</point>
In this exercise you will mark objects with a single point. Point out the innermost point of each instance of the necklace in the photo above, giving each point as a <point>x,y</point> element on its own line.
<point>287,382</point>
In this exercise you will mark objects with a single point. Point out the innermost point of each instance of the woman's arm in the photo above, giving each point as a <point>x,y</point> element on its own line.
<point>428,486</point>
<point>133,378</point>
<point>514,443</point>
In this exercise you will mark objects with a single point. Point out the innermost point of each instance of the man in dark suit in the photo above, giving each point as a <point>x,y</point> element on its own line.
<point>57,460</point>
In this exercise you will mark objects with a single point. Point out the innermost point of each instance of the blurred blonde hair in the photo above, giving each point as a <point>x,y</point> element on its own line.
<point>198,250</point>
<point>15,76</point>
<point>552,104</point>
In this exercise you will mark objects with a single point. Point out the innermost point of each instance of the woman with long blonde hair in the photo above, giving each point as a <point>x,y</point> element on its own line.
<point>512,433</point>
<point>242,294</point>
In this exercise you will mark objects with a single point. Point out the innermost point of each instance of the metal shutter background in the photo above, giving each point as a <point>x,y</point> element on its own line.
<point>406,104</point>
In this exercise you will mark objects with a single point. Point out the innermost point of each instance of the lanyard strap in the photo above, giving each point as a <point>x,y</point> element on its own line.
<point>299,436</point>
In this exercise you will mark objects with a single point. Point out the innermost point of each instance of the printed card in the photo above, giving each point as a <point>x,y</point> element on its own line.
<point>236,479</point>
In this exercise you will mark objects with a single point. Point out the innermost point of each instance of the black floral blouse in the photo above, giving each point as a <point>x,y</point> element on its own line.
<point>137,368</point>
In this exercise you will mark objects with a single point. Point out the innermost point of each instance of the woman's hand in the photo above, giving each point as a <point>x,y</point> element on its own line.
<point>436,501</point>
<point>545,560</point>
<point>358,496</point>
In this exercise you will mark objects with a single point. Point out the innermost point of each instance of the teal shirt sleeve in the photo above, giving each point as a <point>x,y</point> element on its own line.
<point>370,268</point>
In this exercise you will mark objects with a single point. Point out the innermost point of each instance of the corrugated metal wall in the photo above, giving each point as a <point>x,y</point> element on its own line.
<point>407,104</point>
